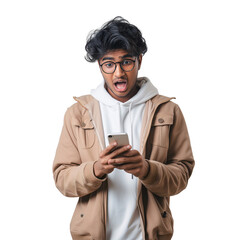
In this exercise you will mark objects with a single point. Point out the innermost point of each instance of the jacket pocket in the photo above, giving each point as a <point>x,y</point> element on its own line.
<point>88,218</point>
<point>166,226</point>
<point>160,130</point>
<point>158,217</point>
<point>166,221</point>
<point>85,133</point>
<point>79,216</point>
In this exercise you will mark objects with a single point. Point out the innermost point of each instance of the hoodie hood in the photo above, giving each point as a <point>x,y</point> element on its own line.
<point>127,116</point>
<point>146,92</point>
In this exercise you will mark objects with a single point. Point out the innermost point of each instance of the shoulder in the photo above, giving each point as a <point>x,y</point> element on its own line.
<point>78,110</point>
<point>166,109</point>
<point>164,103</point>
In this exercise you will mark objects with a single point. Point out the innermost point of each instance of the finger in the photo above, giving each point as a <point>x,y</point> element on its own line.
<point>108,149</point>
<point>119,151</point>
<point>109,167</point>
<point>128,167</point>
<point>125,160</point>
<point>135,172</point>
<point>105,161</point>
<point>131,153</point>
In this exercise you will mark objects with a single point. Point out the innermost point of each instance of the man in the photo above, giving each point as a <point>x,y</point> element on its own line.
<point>123,192</point>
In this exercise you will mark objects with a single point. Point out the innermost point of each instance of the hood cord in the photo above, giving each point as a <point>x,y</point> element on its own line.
<point>131,127</point>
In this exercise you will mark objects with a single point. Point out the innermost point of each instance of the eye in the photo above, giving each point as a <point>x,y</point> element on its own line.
<point>127,62</point>
<point>108,64</point>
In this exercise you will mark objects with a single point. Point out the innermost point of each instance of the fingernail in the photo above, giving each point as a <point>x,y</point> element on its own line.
<point>128,146</point>
<point>115,143</point>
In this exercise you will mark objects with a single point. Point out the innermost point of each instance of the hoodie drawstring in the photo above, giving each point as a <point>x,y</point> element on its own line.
<point>119,115</point>
<point>131,123</point>
<point>131,127</point>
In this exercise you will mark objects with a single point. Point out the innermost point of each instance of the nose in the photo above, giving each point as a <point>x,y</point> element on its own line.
<point>118,71</point>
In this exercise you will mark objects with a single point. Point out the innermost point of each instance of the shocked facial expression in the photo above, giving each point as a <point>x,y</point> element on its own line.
<point>120,70</point>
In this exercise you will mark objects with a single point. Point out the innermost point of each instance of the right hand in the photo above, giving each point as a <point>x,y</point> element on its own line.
<point>101,167</point>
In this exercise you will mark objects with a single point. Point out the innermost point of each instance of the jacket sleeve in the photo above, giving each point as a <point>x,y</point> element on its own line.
<point>73,177</point>
<point>170,178</point>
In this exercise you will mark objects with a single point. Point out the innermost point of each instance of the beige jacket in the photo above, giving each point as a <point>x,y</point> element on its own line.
<point>164,143</point>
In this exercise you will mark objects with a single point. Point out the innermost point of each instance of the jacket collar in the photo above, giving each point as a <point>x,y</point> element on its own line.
<point>92,107</point>
<point>159,99</point>
<point>87,101</point>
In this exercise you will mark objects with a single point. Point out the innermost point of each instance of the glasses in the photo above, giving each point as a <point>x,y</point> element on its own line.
<point>126,65</point>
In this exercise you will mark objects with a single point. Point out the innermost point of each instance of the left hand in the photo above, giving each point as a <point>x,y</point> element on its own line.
<point>132,162</point>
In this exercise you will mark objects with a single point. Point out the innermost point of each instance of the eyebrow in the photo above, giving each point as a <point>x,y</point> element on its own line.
<point>111,58</point>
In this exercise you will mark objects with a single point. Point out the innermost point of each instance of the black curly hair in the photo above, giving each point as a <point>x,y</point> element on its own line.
<point>118,33</point>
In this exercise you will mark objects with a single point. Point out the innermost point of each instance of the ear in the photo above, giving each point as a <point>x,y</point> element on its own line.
<point>139,61</point>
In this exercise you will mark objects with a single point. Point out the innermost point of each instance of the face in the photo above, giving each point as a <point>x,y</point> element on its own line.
<point>120,84</point>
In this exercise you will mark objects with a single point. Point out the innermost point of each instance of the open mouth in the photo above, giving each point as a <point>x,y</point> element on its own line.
<point>121,86</point>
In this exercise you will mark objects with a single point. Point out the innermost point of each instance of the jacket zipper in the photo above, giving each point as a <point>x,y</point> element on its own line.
<point>145,135</point>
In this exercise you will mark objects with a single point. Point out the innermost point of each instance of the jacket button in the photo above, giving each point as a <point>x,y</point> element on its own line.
<point>81,215</point>
<point>83,124</point>
<point>160,120</point>
<point>164,214</point>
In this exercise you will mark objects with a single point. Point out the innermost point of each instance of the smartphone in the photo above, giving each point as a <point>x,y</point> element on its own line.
<point>120,138</point>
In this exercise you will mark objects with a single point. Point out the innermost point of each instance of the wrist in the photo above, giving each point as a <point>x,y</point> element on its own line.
<point>98,173</point>
<point>147,170</point>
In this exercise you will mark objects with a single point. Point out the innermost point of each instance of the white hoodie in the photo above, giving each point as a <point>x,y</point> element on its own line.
<point>123,215</point>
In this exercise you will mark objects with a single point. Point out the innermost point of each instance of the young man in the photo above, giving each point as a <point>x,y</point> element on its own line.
<point>123,192</point>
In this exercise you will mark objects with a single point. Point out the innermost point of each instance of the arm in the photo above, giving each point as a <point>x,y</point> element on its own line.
<point>171,178</point>
<point>73,177</point>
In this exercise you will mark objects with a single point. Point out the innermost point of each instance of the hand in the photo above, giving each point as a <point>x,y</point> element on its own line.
<point>132,162</point>
<point>102,166</point>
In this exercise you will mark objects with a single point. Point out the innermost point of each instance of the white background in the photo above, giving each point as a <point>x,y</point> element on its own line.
<point>193,54</point>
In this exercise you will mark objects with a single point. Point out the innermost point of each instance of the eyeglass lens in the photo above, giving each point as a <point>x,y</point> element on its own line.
<point>126,65</point>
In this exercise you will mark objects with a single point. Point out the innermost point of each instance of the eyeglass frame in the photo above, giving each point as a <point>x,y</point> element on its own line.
<point>120,63</point>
